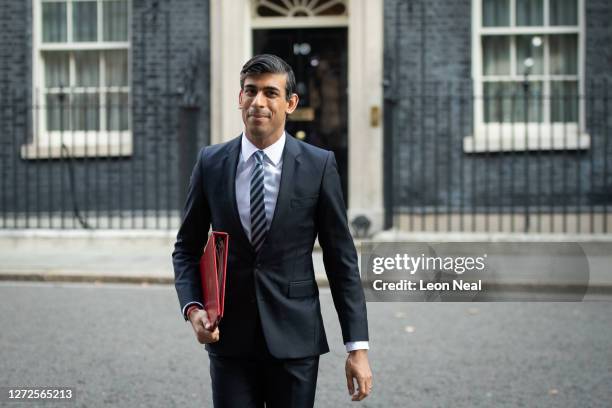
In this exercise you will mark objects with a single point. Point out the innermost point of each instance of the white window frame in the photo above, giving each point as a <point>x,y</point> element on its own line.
<point>519,136</point>
<point>82,143</point>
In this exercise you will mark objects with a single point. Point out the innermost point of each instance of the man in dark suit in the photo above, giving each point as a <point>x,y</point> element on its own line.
<point>274,195</point>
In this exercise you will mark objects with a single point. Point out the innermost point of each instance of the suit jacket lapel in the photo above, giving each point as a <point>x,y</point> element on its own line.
<point>291,164</point>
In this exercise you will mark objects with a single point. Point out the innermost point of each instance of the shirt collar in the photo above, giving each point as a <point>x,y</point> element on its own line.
<point>274,152</point>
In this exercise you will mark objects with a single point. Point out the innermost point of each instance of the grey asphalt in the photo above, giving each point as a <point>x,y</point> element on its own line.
<point>127,346</point>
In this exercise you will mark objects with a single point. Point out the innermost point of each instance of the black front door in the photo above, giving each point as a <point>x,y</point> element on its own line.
<point>319,59</point>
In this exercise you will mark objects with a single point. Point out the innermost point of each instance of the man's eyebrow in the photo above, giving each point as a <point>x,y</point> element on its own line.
<point>265,88</point>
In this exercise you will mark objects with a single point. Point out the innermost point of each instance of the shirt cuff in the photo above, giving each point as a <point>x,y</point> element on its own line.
<point>356,345</point>
<point>187,307</point>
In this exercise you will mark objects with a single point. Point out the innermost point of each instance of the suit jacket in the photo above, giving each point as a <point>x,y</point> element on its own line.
<point>276,285</point>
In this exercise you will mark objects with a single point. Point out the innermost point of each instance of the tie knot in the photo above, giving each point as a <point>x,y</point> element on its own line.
<point>259,156</point>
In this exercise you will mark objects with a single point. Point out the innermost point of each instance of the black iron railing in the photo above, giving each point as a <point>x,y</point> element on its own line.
<point>519,158</point>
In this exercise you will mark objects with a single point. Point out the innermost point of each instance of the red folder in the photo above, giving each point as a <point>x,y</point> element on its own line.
<point>213,266</point>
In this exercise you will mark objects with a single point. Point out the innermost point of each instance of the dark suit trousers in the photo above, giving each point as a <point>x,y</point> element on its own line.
<point>262,380</point>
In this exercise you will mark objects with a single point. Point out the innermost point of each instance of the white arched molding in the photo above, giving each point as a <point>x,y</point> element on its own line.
<point>231,23</point>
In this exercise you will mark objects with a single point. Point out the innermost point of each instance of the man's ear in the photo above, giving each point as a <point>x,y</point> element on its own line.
<point>240,96</point>
<point>293,103</point>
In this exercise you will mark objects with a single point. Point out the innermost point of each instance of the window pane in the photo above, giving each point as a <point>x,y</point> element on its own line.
<point>507,102</point>
<point>87,68</point>
<point>564,101</point>
<point>115,20</point>
<point>54,22</point>
<point>529,54</point>
<point>57,109</point>
<point>529,13</point>
<point>496,55</point>
<point>117,110</point>
<point>564,54</point>
<point>563,12</point>
<point>56,69</point>
<point>86,111</point>
<point>495,13</point>
<point>116,68</point>
<point>85,21</point>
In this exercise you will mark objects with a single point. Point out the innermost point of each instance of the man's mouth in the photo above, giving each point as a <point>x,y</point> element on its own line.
<point>259,115</point>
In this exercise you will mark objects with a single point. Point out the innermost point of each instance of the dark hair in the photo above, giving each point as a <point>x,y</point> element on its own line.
<point>268,63</point>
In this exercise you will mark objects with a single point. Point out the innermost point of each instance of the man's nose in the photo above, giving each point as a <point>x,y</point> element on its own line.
<point>258,100</point>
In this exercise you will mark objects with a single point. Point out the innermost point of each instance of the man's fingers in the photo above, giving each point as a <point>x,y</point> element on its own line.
<point>364,391</point>
<point>206,336</point>
<point>349,383</point>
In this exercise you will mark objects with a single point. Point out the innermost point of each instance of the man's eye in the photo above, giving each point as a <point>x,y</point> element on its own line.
<point>250,92</point>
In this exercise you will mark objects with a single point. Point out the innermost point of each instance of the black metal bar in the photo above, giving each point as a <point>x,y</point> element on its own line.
<point>15,153</point>
<point>565,159</point>
<point>36,141</point>
<point>526,157</point>
<point>86,166</point>
<point>4,153</point>
<point>436,142</point>
<point>70,150</point>
<point>145,121</point>
<point>156,141</point>
<point>462,161</point>
<point>23,113</point>
<point>486,101</point>
<point>606,120</point>
<point>499,102</point>
<point>539,192</point>
<point>411,157</point>
<point>576,103</point>
<point>512,157</point>
<point>449,161</point>
<point>98,165</point>
<point>551,175</point>
<point>592,106</point>
<point>120,162</point>
<point>169,133</point>
<point>50,163</point>
<point>473,161</point>
<point>63,100</point>
<point>109,179</point>
<point>423,156</point>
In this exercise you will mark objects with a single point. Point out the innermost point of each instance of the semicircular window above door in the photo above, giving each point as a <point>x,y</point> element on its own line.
<point>299,8</point>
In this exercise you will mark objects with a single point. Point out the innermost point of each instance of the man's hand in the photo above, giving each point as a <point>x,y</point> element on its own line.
<point>202,327</point>
<point>358,369</point>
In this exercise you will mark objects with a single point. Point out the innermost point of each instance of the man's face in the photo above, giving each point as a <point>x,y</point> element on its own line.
<point>264,105</point>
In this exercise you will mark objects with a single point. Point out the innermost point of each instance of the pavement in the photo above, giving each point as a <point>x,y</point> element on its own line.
<point>101,256</point>
<point>144,256</point>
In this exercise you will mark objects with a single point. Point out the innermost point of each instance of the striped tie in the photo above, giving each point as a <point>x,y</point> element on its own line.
<point>258,209</point>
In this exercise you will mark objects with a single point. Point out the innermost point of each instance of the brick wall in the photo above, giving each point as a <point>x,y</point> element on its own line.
<point>148,179</point>
<point>428,52</point>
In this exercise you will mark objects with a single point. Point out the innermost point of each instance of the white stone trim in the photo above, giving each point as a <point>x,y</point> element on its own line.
<point>79,144</point>
<point>501,137</point>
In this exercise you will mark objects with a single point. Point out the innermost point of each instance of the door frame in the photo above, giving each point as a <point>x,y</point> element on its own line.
<point>231,25</point>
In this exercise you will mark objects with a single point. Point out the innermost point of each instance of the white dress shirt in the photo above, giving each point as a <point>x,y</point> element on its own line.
<point>272,167</point>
